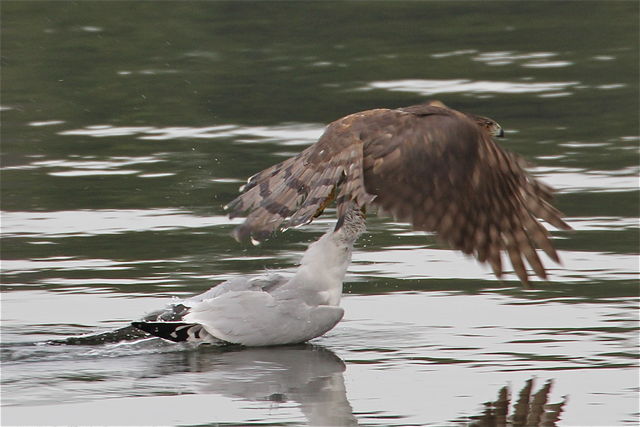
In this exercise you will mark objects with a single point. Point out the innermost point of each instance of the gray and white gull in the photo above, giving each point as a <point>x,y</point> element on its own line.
<point>271,309</point>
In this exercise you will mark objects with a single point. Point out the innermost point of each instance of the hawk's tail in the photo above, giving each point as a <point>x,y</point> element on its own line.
<point>174,331</point>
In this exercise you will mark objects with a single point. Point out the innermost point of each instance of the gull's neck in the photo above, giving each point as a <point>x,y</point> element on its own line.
<point>323,268</point>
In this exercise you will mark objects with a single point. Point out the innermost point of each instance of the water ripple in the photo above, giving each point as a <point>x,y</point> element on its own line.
<point>89,165</point>
<point>46,123</point>
<point>577,180</point>
<point>433,87</point>
<point>105,221</point>
<point>421,263</point>
<point>547,64</point>
<point>527,59</point>
<point>20,266</point>
<point>285,134</point>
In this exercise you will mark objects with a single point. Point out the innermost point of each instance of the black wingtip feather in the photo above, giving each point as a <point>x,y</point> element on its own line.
<point>172,331</point>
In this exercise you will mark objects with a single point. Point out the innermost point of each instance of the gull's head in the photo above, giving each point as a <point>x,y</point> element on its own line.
<point>352,225</point>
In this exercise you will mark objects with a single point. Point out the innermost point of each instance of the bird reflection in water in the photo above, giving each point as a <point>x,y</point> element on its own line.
<point>529,410</point>
<point>309,375</point>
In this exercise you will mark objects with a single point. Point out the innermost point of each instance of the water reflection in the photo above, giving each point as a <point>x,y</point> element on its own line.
<point>305,377</point>
<point>284,134</point>
<point>534,59</point>
<point>408,261</point>
<point>433,87</point>
<point>107,221</point>
<point>310,375</point>
<point>529,410</point>
<point>574,180</point>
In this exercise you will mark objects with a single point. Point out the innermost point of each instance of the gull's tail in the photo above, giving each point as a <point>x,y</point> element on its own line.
<point>174,331</point>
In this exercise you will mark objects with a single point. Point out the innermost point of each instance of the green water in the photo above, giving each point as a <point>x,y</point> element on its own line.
<point>127,126</point>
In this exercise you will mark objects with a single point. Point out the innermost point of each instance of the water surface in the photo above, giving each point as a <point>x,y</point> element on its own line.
<point>126,127</point>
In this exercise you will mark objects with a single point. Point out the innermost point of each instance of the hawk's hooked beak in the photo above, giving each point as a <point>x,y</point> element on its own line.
<point>494,130</point>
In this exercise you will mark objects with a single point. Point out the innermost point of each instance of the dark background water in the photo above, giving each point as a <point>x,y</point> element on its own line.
<point>127,126</point>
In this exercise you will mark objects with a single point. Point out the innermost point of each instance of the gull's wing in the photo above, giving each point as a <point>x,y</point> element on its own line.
<point>265,283</point>
<point>257,318</point>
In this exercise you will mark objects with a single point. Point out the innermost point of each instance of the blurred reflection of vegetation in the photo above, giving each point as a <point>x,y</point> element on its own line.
<point>206,63</point>
<point>192,62</point>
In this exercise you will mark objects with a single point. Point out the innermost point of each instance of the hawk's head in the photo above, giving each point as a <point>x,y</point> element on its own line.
<point>488,124</point>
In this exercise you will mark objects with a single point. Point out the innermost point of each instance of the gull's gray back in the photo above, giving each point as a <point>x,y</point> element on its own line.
<point>266,283</point>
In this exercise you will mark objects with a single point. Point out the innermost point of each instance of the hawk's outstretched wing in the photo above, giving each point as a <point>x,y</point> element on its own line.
<point>291,193</point>
<point>427,164</point>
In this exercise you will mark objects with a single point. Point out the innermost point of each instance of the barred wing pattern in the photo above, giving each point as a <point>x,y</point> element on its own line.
<point>429,165</point>
<point>293,192</point>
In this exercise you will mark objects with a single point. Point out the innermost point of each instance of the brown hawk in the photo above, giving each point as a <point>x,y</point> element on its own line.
<point>427,164</point>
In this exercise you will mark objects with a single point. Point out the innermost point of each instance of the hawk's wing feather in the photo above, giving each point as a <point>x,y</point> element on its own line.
<point>428,165</point>
<point>292,192</point>
<point>317,197</point>
<point>451,178</point>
